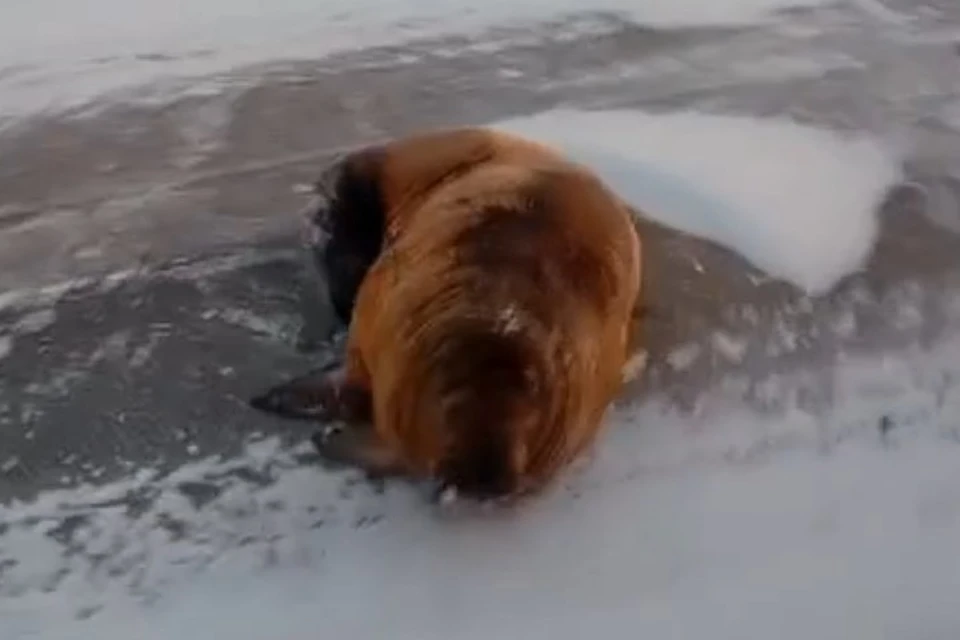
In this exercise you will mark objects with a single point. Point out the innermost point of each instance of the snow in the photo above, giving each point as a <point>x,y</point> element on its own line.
<point>60,53</point>
<point>798,201</point>
<point>726,525</point>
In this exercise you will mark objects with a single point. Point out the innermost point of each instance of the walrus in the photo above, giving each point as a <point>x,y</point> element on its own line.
<point>491,289</point>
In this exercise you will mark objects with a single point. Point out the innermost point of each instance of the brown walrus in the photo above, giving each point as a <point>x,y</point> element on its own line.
<point>491,288</point>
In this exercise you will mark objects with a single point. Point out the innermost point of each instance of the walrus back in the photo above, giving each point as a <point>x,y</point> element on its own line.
<point>493,328</point>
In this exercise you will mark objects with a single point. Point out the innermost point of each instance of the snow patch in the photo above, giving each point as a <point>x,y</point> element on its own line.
<point>683,357</point>
<point>634,366</point>
<point>799,202</point>
<point>35,322</point>
<point>275,328</point>
<point>851,513</point>
<point>730,347</point>
<point>509,320</point>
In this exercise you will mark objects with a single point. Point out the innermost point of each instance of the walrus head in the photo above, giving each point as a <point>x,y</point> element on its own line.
<point>345,224</point>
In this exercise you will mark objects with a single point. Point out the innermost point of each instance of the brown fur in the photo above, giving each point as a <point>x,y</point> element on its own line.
<point>495,322</point>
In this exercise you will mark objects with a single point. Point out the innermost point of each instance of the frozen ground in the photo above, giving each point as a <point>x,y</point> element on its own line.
<point>726,525</point>
<point>788,466</point>
<point>63,52</point>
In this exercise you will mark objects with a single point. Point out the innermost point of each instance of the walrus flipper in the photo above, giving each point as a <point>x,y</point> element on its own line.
<point>319,395</point>
<point>307,397</point>
<point>358,446</point>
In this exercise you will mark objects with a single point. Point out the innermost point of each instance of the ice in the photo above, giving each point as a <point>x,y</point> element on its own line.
<point>799,202</point>
<point>59,53</point>
<point>730,525</point>
<point>724,523</point>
